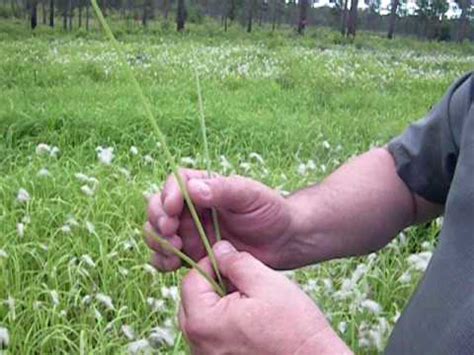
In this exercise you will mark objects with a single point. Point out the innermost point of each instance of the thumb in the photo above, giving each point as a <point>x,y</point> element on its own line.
<point>234,193</point>
<point>250,276</point>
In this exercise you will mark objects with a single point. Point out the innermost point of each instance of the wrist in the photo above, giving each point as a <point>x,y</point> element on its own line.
<point>304,239</point>
<point>324,342</point>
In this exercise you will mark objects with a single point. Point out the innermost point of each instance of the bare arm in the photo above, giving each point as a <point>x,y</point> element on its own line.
<point>356,210</point>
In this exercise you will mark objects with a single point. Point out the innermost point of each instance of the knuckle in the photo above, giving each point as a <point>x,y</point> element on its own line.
<point>239,260</point>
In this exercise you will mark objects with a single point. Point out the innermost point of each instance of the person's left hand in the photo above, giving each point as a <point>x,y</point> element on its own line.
<point>266,314</point>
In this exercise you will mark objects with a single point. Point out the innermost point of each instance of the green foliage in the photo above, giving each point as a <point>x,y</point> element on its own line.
<point>432,9</point>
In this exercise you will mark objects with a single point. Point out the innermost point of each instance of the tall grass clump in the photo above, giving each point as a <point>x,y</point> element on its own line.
<point>219,288</point>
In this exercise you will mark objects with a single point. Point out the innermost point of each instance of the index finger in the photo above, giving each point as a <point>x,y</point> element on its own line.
<point>196,292</point>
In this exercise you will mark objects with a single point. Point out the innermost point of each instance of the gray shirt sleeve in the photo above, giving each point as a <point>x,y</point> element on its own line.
<point>426,153</point>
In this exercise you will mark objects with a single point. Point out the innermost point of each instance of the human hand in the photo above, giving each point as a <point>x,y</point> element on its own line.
<point>252,216</point>
<point>267,314</point>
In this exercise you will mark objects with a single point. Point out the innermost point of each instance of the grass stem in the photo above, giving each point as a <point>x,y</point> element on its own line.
<point>161,137</point>
<point>202,120</point>
<point>168,246</point>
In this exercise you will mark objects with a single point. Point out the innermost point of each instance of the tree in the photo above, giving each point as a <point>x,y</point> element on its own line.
<point>344,18</point>
<point>65,6</point>
<point>147,11</point>
<point>431,13</point>
<point>87,14</point>
<point>393,18</point>
<point>43,8</point>
<point>79,14</point>
<point>181,15</point>
<point>262,11</point>
<point>51,13</point>
<point>303,19</point>
<point>464,5</point>
<point>103,7</point>
<point>166,8</point>
<point>34,14</point>
<point>251,9</point>
<point>70,14</point>
<point>278,6</point>
<point>232,10</point>
<point>352,21</point>
<point>373,13</point>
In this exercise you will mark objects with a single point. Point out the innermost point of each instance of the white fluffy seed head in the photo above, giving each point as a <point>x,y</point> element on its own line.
<point>54,152</point>
<point>23,196</point>
<point>371,306</point>
<point>128,332</point>
<point>54,297</point>
<point>160,336</point>
<point>88,260</point>
<point>139,347</point>
<point>88,191</point>
<point>20,228</point>
<point>90,227</point>
<point>42,149</point>
<point>105,300</point>
<point>133,150</point>
<point>4,338</point>
<point>43,173</point>
<point>105,155</point>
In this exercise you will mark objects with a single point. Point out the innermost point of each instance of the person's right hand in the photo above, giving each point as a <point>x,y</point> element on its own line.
<point>253,217</point>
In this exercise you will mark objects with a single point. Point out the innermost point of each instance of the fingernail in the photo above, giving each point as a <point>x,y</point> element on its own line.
<point>224,247</point>
<point>203,188</point>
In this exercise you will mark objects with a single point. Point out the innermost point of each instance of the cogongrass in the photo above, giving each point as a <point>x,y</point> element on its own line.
<point>202,120</point>
<point>170,159</point>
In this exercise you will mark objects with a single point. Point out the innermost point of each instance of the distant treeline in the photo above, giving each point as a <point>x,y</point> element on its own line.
<point>429,20</point>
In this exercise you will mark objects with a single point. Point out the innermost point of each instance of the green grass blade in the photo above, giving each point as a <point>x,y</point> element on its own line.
<point>186,259</point>
<point>161,137</point>
<point>177,344</point>
<point>202,120</point>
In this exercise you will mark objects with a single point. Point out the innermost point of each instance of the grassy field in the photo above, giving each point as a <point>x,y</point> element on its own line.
<point>74,273</point>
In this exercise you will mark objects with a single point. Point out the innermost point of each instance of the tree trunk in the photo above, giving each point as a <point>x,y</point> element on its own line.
<point>231,13</point>
<point>70,9</point>
<point>393,18</point>
<point>260,13</point>
<point>344,18</point>
<point>352,23</point>
<point>225,13</point>
<point>13,6</point>
<point>129,12</point>
<point>34,13</point>
<point>463,23</point>
<point>145,13</point>
<point>181,15</point>
<point>303,20</point>
<point>51,13</point>
<point>43,8</point>
<point>87,14</point>
<point>65,17</point>
<point>166,9</point>
<point>250,15</point>
<point>79,15</point>
<point>274,14</point>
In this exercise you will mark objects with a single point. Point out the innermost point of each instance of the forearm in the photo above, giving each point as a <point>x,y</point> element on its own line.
<point>357,209</point>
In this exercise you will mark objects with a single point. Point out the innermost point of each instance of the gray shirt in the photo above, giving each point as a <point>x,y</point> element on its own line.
<point>435,158</point>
